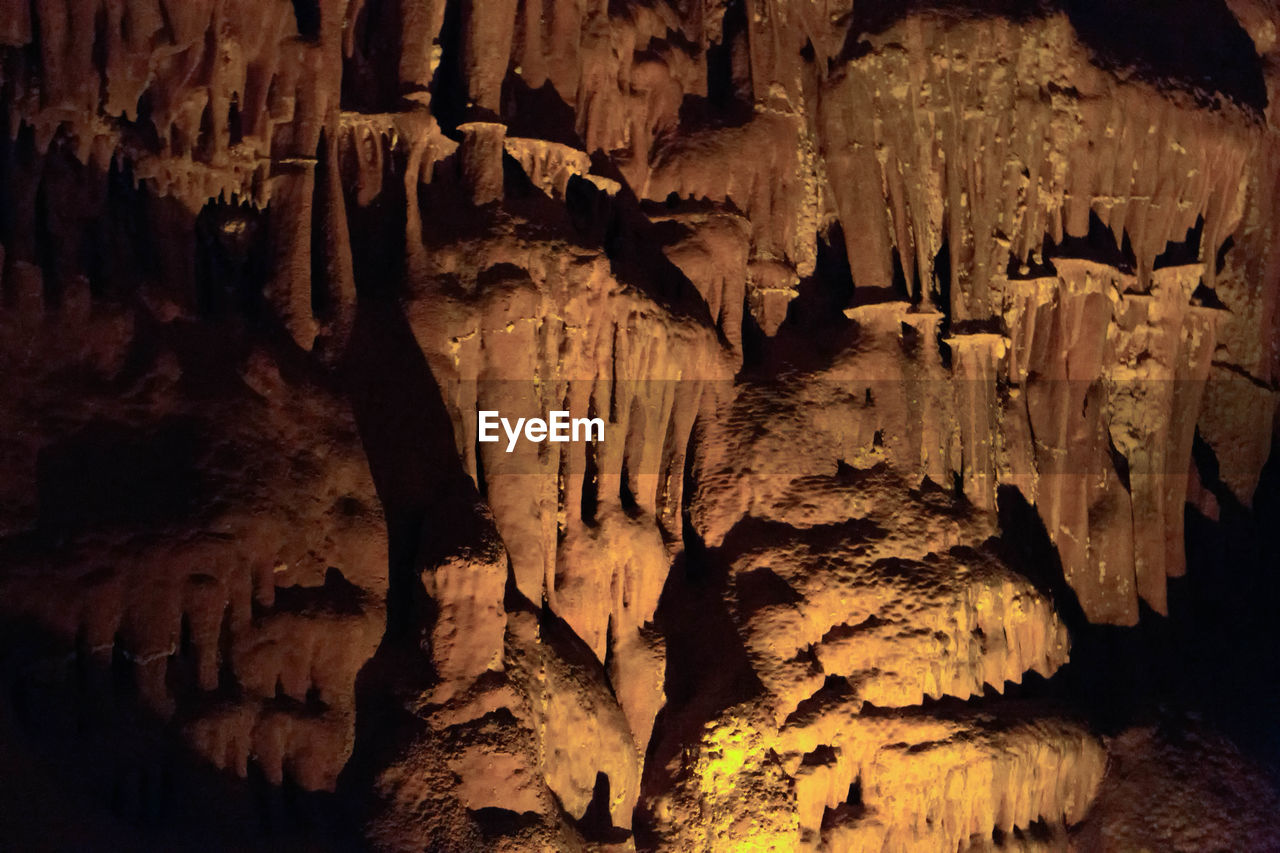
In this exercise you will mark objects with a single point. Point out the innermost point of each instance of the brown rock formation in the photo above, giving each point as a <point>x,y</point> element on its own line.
<point>934,345</point>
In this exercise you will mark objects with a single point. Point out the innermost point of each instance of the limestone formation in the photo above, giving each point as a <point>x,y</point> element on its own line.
<point>935,348</point>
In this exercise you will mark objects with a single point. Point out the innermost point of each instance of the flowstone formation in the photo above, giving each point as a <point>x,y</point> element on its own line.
<point>934,344</point>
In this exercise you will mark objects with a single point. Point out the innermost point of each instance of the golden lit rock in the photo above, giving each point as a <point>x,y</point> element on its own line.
<point>533,425</point>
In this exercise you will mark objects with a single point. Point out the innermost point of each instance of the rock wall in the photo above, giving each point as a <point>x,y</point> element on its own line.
<point>845,282</point>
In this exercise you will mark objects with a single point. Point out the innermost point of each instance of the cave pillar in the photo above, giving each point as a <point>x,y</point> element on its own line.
<point>482,153</point>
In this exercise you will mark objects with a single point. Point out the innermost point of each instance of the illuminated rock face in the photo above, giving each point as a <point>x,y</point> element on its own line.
<point>848,284</point>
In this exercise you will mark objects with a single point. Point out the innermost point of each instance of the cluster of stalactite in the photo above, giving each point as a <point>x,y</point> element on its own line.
<point>229,227</point>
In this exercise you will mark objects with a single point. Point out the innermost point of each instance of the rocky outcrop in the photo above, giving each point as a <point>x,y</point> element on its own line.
<point>837,782</point>
<point>223,557</point>
<point>846,285</point>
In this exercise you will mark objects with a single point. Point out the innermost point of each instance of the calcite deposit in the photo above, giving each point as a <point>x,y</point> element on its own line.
<point>936,349</point>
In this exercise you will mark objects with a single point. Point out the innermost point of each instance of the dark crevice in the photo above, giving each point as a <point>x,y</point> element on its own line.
<point>707,670</point>
<point>371,74</point>
<point>496,822</point>
<point>849,811</point>
<point>407,437</point>
<point>940,293</point>
<point>590,476</point>
<point>204,144</point>
<point>728,67</point>
<point>1119,462</point>
<point>1023,269</point>
<point>541,113</point>
<point>899,287</point>
<point>570,649</point>
<point>1099,245</point>
<point>751,534</point>
<point>336,595</point>
<point>1185,252</point>
<point>235,132</point>
<point>307,15</point>
<point>1220,260</point>
<point>1204,297</point>
<point>1025,545</point>
<point>45,244</point>
<point>449,88</point>
<point>231,259</point>
<point>626,497</point>
<point>596,825</point>
<point>762,587</point>
<point>824,755</point>
<point>1243,374</point>
<point>835,692</point>
<point>377,230</point>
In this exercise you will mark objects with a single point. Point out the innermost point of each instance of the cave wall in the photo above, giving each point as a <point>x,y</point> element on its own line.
<point>846,282</point>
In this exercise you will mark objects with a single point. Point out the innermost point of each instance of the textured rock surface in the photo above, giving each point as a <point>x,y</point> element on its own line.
<point>882,782</point>
<point>935,344</point>
<point>1201,779</point>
